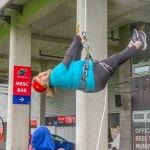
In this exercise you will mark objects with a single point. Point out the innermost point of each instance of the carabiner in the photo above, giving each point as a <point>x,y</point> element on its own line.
<point>84,35</point>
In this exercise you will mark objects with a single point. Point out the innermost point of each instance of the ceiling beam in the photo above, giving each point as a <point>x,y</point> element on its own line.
<point>33,10</point>
<point>51,39</point>
<point>33,60</point>
<point>131,15</point>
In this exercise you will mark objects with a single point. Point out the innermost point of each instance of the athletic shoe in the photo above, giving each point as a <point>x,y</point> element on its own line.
<point>142,38</point>
<point>134,36</point>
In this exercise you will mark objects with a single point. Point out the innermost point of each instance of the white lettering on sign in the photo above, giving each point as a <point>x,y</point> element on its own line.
<point>21,90</point>
<point>22,83</point>
<point>140,138</point>
<point>142,146</point>
<point>142,130</point>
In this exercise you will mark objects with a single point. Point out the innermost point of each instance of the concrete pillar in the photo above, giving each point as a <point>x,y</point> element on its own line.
<point>89,107</point>
<point>81,99</point>
<point>42,99</point>
<point>125,112</point>
<point>18,115</point>
<point>41,108</point>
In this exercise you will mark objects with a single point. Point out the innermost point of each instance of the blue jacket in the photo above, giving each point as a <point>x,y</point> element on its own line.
<point>69,78</point>
<point>42,139</point>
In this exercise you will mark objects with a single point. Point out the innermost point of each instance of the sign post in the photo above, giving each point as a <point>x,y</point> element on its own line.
<point>22,85</point>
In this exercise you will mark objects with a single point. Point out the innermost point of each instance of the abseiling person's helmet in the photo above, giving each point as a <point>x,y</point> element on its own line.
<point>37,86</point>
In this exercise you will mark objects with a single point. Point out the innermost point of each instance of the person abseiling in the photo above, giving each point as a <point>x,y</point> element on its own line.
<point>68,73</point>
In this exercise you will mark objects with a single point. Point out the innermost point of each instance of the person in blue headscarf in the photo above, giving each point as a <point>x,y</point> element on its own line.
<point>42,139</point>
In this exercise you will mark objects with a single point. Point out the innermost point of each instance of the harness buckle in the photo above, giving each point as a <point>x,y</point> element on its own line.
<point>84,73</point>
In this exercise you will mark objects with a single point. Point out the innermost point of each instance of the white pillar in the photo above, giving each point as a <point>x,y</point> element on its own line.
<point>90,106</point>
<point>18,115</point>
<point>41,108</point>
<point>81,101</point>
<point>81,121</point>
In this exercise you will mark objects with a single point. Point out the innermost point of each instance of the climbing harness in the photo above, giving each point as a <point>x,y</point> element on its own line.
<point>86,65</point>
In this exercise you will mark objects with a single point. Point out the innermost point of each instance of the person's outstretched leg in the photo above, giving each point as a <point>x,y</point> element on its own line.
<point>114,61</point>
<point>74,52</point>
<point>117,59</point>
<point>105,68</point>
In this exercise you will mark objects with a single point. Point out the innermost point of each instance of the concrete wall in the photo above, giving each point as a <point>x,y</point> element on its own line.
<point>125,110</point>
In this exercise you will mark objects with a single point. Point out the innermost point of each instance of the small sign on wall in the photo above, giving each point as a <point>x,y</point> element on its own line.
<point>33,123</point>
<point>22,85</point>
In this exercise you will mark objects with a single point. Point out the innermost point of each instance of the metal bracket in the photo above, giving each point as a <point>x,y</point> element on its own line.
<point>40,53</point>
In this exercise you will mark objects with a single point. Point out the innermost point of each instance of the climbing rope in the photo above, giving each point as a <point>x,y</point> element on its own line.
<point>102,119</point>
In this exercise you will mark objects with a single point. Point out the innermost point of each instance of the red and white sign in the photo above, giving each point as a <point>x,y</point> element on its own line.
<point>61,119</point>
<point>1,135</point>
<point>73,119</point>
<point>33,123</point>
<point>22,81</point>
<point>68,120</point>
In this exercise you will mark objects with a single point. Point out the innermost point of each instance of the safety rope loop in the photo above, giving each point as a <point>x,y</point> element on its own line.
<point>84,36</point>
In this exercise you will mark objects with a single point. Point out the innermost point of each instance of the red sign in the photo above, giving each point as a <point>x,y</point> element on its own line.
<point>33,123</point>
<point>61,119</point>
<point>1,135</point>
<point>22,81</point>
<point>73,119</point>
<point>68,120</point>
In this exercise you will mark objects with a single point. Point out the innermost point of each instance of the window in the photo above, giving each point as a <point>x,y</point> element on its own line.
<point>141,69</point>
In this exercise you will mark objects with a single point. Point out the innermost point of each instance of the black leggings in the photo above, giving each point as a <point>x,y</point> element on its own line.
<point>102,69</point>
<point>74,52</point>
